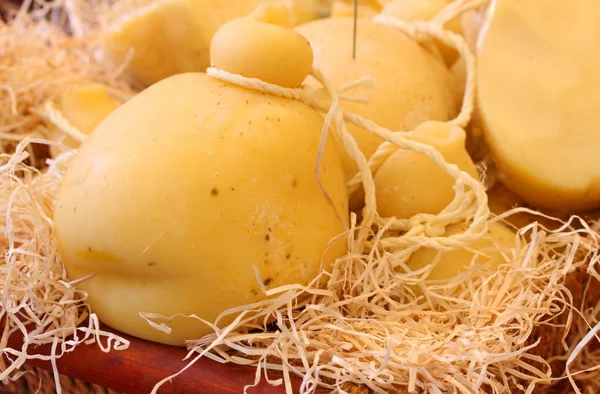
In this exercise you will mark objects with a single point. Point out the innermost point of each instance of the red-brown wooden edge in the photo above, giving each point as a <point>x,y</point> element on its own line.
<point>137,369</point>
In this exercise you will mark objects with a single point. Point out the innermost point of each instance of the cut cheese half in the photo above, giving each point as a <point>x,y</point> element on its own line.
<point>538,83</point>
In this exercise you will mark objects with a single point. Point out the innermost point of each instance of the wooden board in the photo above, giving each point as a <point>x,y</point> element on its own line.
<point>137,369</point>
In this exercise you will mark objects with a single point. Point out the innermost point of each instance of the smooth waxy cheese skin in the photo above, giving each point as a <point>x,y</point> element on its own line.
<point>181,192</point>
<point>257,47</point>
<point>84,107</point>
<point>170,36</point>
<point>409,84</point>
<point>342,9</point>
<point>409,183</point>
<point>538,85</point>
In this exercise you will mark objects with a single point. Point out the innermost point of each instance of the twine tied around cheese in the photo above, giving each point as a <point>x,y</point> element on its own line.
<point>470,202</point>
<point>417,30</point>
<point>364,326</point>
<point>56,117</point>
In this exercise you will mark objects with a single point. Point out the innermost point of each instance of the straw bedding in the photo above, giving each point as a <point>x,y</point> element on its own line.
<point>366,325</point>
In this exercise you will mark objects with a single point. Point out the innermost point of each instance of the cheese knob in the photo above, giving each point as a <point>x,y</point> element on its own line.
<point>272,13</point>
<point>409,183</point>
<point>260,46</point>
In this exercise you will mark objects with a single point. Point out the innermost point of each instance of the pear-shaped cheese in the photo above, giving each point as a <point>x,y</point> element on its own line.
<point>186,189</point>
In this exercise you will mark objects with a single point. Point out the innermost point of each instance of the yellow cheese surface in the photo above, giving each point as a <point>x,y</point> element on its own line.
<point>186,189</point>
<point>170,36</point>
<point>409,84</point>
<point>261,47</point>
<point>409,183</point>
<point>538,84</point>
<point>84,107</point>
